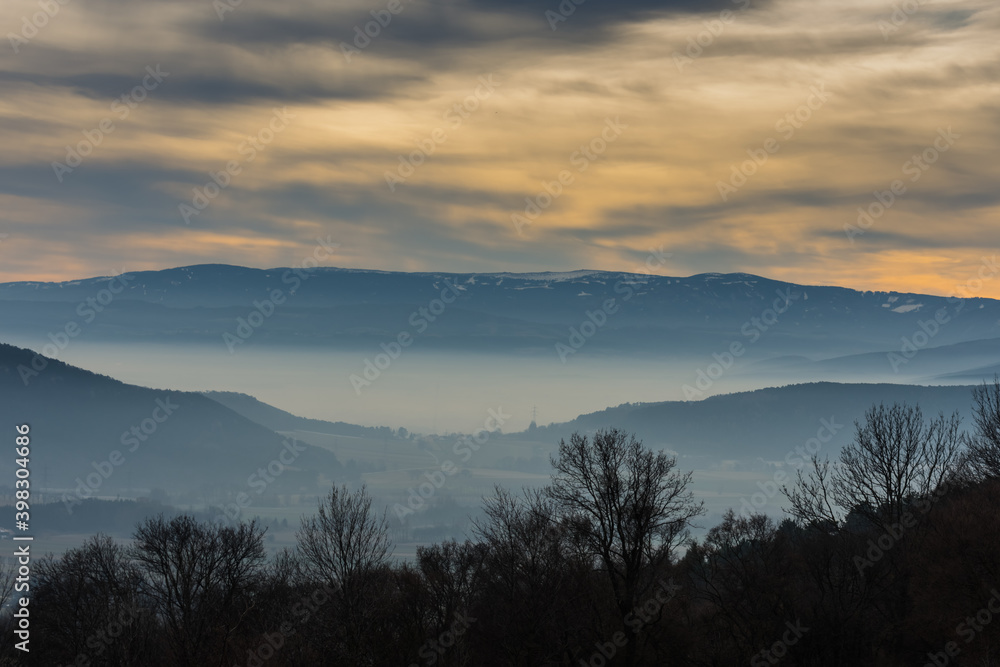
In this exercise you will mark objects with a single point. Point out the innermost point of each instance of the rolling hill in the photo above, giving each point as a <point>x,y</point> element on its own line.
<point>766,423</point>
<point>127,438</point>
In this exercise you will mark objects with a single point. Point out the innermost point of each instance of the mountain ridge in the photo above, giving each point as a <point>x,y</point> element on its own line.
<point>338,307</point>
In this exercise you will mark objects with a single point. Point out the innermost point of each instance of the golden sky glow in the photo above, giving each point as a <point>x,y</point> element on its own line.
<point>889,85</point>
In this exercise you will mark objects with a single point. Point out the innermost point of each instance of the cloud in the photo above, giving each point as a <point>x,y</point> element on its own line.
<point>357,118</point>
<point>442,25</point>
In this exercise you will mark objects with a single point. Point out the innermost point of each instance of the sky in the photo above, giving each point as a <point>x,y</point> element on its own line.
<point>490,135</point>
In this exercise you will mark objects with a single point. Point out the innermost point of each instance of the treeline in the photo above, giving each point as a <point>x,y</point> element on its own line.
<point>118,518</point>
<point>890,555</point>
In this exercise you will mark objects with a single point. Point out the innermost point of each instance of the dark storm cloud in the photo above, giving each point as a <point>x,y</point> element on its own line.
<point>634,221</point>
<point>879,238</point>
<point>224,88</point>
<point>366,204</point>
<point>457,24</point>
<point>126,194</point>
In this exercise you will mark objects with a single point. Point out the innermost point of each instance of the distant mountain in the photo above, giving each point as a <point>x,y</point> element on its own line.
<point>279,420</point>
<point>928,364</point>
<point>86,426</point>
<point>495,312</point>
<point>767,423</point>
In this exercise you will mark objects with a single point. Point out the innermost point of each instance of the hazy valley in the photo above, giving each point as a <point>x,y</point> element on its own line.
<point>377,380</point>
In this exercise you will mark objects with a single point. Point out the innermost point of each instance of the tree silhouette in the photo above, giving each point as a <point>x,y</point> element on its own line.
<point>895,457</point>
<point>628,508</point>
<point>344,546</point>
<point>199,577</point>
<point>984,446</point>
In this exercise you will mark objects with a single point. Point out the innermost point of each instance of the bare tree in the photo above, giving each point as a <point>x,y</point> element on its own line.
<point>449,574</point>
<point>531,585</point>
<point>628,506</point>
<point>8,578</point>
<point>8,575</point>
<point>90,603</point>
<point>346,545</point>
<point>521,532</point>
<point>200,578</point>
<point>895,458</point>
<point>345,538</point>
<point>733,570</point>
<point>984,446</point>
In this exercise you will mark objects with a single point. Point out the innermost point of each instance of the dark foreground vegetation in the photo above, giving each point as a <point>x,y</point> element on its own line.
<point>890,555</point>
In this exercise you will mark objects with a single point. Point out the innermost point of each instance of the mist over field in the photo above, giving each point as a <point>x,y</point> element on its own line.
<point>556,344</point>
<point>425,392</point>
